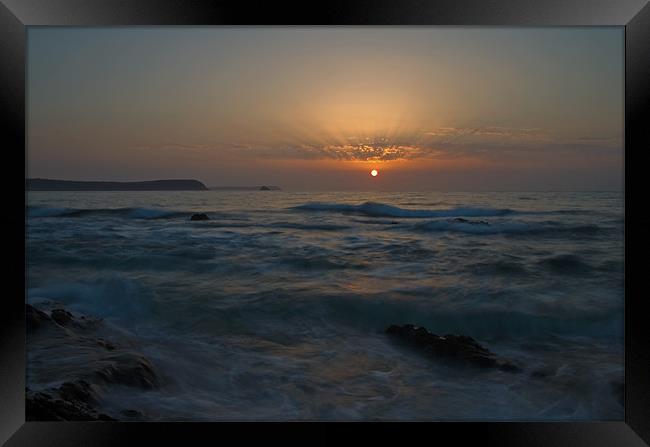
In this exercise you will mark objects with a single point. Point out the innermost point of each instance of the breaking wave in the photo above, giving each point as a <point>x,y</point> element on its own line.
<point>375,209</point>
<point>510,227</point>
<point>133,213</point>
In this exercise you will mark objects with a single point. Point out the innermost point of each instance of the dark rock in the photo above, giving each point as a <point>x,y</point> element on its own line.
<point>105,344</point>
<point>64,345</point>
<point>61,316</point>
<point>98,358</point>
<point>77,391</point>
<point>265,188</point>
<point>87,323</point>
<point>129,369</point>
<point>43,407</point>
<point>35,318</point>
<point>543,373</point>
<point>473,222</point>
<point>459,348</point>
<point>199,216</point>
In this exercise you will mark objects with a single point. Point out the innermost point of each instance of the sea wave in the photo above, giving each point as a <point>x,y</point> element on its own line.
<point>114,296</point>
<point>508,227</point>
<point>566,264</point>
<point>280,226</point>
<point>376,209</point>
<point>131,304</point>
<point>302,226</point>
<point>134,213</point>
<point>374,312</point>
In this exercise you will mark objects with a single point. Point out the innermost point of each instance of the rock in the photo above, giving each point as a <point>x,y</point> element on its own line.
<point>265,188</point>
<point>96,359</point>
<point>77,391</point>
<point>35,318</point>
<point>472,222</point>
<point>459,348</point>
<point>199,216</point>
<point>70,402</point>
<point>106,344</point>
<point>61,316</point>
<point>71,350</point>
<point>543,373</point>
<point>128,368</point>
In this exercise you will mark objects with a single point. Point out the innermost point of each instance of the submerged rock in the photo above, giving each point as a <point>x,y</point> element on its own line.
<point>72,401</point>
<point>128,368</point>
<point>472,222</point>
<point>83,355</point>
<point>78,391</point>
<point>38,321</point>
<point>454,347</point>
<point>106,344</point>
<point>542,373</point>
<point>61,316</point>
<point>199,216</point>
<point>35,318</point>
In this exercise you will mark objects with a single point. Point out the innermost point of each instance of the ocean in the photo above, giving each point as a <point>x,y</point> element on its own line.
<point>276,307</point>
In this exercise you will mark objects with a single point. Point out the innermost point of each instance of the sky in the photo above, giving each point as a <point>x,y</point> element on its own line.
<point>430,108</point>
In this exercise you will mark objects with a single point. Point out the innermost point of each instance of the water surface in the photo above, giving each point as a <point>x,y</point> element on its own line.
<point>275,308</point>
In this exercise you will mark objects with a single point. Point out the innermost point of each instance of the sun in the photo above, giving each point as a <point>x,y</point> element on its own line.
<point>374,173</point>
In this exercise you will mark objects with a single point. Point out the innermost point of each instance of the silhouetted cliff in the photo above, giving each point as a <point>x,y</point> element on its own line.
<point>38,184</point>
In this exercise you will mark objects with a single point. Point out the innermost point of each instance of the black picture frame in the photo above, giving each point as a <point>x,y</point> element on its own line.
<point>17,15</point>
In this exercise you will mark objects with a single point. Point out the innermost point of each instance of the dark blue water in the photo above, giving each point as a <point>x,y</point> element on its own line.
<point>275,307</point>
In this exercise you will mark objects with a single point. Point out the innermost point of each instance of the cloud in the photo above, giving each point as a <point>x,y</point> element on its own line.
<point>486,134</point>
<point>176,147</point>
<point>490,142</point>
<point>508,132</point>
<point>453,142</point>
<point>365,151</point>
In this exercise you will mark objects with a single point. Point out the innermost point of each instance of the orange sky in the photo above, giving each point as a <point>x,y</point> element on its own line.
<point>318,108</point>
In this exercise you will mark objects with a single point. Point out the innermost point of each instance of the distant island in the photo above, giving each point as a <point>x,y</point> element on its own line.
<point>40,184</point>
<point>246,188</point>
